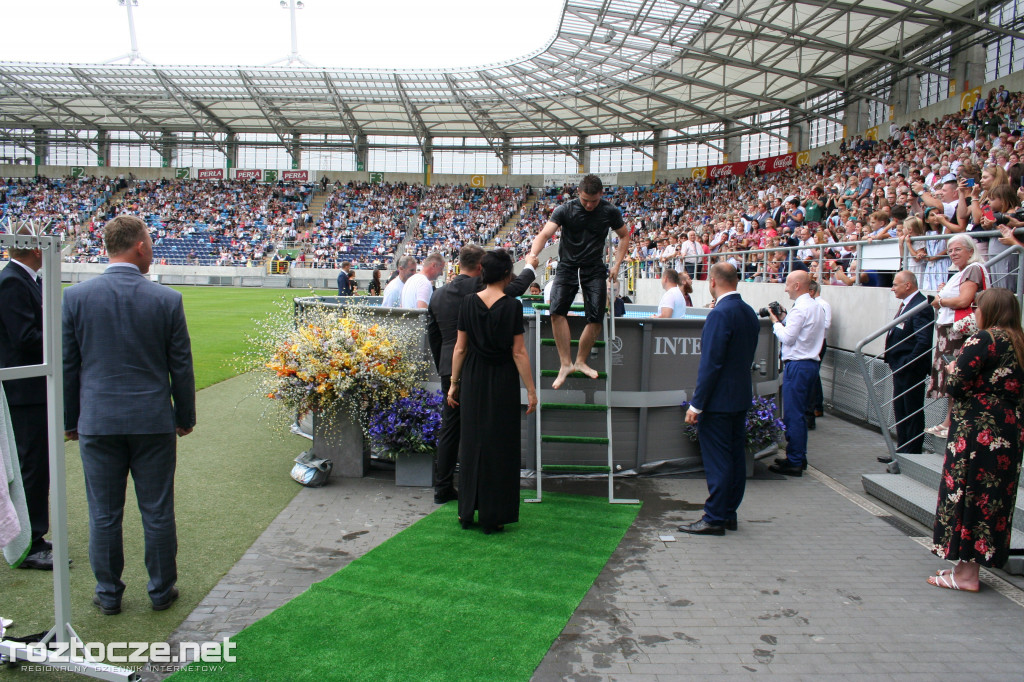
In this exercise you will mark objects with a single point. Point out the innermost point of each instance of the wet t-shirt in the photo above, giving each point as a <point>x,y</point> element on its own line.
<point>584,232</point>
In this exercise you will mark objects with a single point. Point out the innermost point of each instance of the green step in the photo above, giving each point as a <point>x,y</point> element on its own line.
<point>575,342</point>
<point>574,406</point>
<point>576,468</point>
<point>593,440</point>
<point>574,375</point>
<point>532,297</point>
<point>546,306</point>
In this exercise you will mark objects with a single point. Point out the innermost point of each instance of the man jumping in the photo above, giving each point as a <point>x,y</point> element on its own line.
<point>584,223</point>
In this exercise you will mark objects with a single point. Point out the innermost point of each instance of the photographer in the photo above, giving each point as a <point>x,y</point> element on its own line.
<point>801,333</point>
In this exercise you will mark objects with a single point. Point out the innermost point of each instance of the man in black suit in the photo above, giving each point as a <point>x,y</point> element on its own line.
<point>345,279</point>
<point>908,353</point>
<point>21,343</point>
<point>442,330</point>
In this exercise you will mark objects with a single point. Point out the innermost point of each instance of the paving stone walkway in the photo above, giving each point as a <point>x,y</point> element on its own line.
<point>819,582</point>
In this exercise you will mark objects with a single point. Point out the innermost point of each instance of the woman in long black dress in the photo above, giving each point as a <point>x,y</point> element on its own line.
<point>489,359</point>
<point>974,515</point>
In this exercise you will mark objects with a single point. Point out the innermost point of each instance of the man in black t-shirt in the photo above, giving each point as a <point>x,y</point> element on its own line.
<point>584,223</point>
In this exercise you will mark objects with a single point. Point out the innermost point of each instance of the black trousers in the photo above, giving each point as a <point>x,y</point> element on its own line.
<point>30,436</point>
<point>447,441</point>
<point>907,405</point>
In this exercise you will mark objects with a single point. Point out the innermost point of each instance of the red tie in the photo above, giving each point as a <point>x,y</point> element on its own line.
<point>900,311</point>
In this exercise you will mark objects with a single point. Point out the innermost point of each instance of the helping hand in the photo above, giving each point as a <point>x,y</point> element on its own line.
<point>532,260</point>
<point>531,401</point>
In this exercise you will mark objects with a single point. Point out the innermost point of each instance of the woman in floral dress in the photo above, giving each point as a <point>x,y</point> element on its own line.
<point>974,515</point>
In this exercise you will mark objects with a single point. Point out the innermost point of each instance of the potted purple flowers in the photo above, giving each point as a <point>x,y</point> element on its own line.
<point>764,430</point>
<point>406,432</point>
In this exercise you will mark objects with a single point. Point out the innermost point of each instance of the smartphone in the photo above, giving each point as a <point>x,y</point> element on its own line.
<point>948,358</point>
<point>969,182</point>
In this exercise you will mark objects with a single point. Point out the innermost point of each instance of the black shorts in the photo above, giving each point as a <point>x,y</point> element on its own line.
<point>593,279</point>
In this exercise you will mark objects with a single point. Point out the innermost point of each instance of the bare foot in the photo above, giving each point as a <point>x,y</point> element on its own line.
<point>949,581</point>
<point>563,373</point>
<point>581,366</point>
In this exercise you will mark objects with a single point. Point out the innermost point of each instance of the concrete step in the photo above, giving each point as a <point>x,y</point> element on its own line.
<point>927,468</point>
<point>918,501</point>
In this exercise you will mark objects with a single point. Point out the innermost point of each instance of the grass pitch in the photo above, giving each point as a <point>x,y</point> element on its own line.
<point>231,482</point>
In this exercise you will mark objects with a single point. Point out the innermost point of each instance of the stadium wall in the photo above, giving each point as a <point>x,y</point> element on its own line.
<point>856,311</point>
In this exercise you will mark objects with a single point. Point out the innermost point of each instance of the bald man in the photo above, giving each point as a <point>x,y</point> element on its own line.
<point>800,333</point>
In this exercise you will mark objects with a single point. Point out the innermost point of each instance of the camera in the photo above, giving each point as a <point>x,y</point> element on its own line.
<point>1004,218</point>
<point>775,307</point>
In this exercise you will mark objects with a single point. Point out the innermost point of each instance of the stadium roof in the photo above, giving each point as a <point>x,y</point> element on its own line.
<point>613,67</point>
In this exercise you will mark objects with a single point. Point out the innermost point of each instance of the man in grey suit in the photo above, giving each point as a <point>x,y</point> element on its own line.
<point>129,391</point>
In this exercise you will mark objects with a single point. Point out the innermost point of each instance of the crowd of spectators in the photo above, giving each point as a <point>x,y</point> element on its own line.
<point>65,204</point>
<point>927,178</point>
<point>455,215</point>
<point>205,222</point>
<point>362,223</point>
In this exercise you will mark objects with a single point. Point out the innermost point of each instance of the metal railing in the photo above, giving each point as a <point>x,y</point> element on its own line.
<point>869,362</point>
<point>746,257</point>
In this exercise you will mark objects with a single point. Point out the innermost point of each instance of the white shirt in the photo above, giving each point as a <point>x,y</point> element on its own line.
<point>393,293</point>
<point>689,251</point>
<point>547,290</point>
<point>828,311</point>
<point>417,288</point>
<point>803,331</point>
<point>674,299</point>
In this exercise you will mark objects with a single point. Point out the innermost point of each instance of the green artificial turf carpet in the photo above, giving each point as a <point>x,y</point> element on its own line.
<point>436,602</point>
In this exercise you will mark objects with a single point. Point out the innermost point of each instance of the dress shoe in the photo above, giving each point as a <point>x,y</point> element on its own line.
<point>730,524</point>
<point>783,462</point>
<point>819,413</point>
<point>702,527</point>
<point>41,560</point>
<point>166,604</point>
<point>106,610</point>
<point>884,460</point>
<point>446,495</point>
<point>787,469</point>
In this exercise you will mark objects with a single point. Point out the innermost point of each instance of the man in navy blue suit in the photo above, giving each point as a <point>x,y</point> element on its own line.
<point>721,400</point>
<point>345,279</point>
<point>908,348</point>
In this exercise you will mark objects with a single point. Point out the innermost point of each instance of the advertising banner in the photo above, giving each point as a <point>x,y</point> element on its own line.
<point>573,179</point>
<point>295,175</point>
<point>210,173</point>
<point>248,174</point>
<point>770,164</point>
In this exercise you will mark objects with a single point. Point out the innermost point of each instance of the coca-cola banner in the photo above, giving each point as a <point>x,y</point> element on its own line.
<point>771,164</point>
<point>210,173</point>
<point>249,174</point>
<point>295,175</point>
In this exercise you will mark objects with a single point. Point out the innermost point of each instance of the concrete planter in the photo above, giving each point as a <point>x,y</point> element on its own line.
<point>340,440</point>
<point>415,469</point>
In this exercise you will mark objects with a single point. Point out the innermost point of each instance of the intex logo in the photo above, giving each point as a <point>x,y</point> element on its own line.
<point>249,175</point>
<point>721,171</point>
<point>211,174</point>
<point>780,162</point>
<point>677,345</point>
<point>699,173</point>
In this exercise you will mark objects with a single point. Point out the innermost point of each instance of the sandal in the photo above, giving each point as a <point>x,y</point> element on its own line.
<point>939,431</point>
<point>947,582</point>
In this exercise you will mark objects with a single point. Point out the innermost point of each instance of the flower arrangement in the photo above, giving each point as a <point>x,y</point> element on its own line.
<point>409,424</point>
<point>762,427</point>
<point>327,359</point>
